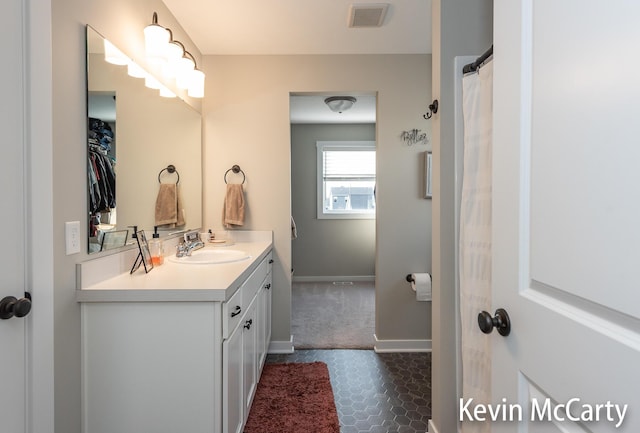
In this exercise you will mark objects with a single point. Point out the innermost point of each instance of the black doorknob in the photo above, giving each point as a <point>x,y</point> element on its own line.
<point>500,321</point>
<point>10,306</point>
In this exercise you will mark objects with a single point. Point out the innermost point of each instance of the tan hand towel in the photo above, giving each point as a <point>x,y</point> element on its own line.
<point>233,211</point>
<point>180,210</point>
<point>169,206</point>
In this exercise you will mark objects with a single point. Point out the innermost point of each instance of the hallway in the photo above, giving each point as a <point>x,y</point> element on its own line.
<point>328,315</point>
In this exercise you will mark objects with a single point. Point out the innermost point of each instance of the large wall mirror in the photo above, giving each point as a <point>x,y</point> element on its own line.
<point>134,134</point>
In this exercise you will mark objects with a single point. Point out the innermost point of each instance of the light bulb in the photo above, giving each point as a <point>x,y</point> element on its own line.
<point>114,55</point>
<point>166,93</point>
<point>196,86</point>
<point>184,68</point>
<point>134,70</point>
<point>173,51</point>
<point>156,39</point>
<point>151,82</point>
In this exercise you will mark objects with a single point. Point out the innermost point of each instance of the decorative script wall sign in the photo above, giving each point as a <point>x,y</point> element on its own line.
<point>414,136</point>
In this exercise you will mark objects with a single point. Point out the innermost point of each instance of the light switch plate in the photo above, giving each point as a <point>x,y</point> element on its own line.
<point>72,237</point>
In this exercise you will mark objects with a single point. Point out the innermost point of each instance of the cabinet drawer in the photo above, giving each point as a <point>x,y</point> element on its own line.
<point>251,286</point>
<point>232,312</point>
<point>234,309</point>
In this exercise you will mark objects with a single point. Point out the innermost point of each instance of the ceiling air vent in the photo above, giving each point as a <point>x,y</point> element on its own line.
<point>367,14</point>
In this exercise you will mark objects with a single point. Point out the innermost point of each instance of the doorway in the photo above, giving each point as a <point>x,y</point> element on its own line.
<point>334,242</point>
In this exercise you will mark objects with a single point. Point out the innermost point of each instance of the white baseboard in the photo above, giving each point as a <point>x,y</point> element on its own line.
<point>281,346</point>
<point>431,428</point>
<point>334,278</point>
<point>382,346</point>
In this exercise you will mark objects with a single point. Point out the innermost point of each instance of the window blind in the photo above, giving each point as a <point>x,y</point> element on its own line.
<point>349,165</point>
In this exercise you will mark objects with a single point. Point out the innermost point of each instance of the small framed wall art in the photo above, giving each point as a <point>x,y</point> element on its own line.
<point>428,158</point>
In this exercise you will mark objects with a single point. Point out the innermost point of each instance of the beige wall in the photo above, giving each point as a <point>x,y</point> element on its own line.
<point>246,114</point>
<point>122,22</point>
<point>460,28</point>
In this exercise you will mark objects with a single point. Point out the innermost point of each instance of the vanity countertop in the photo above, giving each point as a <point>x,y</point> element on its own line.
<point>175,281</point>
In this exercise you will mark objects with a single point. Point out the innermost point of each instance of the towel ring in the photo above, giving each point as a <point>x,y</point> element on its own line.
<point>236,169</point>
<point>170,169</point>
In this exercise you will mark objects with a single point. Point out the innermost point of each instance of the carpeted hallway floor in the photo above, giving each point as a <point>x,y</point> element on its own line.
<point>329,315</point>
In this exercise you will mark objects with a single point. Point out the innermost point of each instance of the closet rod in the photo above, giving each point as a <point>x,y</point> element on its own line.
<point>472,67</point>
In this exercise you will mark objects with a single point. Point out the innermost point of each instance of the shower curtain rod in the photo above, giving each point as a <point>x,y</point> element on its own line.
<point>472,67</point>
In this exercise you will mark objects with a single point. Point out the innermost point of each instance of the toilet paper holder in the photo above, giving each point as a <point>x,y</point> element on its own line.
<point>410,278</point>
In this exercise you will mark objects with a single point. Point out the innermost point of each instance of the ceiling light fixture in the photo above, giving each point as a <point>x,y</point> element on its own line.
<point>340,103</point>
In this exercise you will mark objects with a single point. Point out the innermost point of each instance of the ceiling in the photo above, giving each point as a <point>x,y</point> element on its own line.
<point>316,27</point>
<point>262,27</point>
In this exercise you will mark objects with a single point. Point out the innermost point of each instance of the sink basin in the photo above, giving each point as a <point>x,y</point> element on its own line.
<point>210,256</point>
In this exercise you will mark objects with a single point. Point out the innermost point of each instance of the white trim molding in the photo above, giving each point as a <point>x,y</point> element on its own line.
<point>281,346</point>
<point>387,346</point>
<point>334,279</point>
<point>431,427</point>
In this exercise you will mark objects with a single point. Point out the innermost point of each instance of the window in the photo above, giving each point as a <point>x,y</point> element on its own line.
<point>346,179</point>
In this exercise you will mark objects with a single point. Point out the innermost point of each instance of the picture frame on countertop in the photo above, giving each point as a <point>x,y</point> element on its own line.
<point>144,254</point>
<point>114,239</point>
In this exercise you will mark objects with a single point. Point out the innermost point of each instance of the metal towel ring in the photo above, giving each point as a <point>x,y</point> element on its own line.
<point>171,169</point>
<point>236,169</point>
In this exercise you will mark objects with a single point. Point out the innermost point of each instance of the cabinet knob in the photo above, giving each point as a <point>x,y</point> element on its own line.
<point>267,286</point>
<point>248,323</point>
<point>270,261</point>
<point>237,311</point>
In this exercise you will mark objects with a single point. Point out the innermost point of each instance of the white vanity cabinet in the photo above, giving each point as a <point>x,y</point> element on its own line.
<point>264,328</point>
<point>244,346</point>
<point>166,364</point>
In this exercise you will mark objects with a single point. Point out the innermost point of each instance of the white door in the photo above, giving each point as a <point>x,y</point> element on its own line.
<point>566,214</point>
<point>12,218</point>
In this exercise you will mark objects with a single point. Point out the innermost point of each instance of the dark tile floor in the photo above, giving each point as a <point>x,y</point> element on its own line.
<point>375,392</point>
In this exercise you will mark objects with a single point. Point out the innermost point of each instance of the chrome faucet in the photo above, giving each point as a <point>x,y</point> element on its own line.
<point>187,246</point>
<point>194,245</point>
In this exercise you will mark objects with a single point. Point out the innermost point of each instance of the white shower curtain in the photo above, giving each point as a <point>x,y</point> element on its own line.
<point>475,238</point>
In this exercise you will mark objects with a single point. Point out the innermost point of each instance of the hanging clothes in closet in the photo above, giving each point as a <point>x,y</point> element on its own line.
<point>101,170</point>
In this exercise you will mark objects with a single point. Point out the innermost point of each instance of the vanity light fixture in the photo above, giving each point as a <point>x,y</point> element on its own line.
<point>134,70</point>
<point>151,82</point>
<point>339,104</point>
<point>156,39</point>
<point>196,88</point>
<point>113,55</point>
<point>175,51</point>
<point>177,62</point>
<point>166,93</point>
<point>185,65</point>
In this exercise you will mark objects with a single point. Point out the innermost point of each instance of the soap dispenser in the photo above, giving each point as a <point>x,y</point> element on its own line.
<point>156,248</point>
